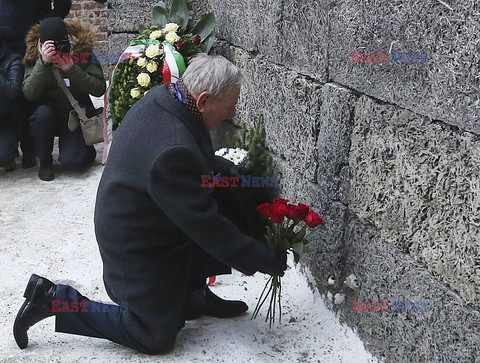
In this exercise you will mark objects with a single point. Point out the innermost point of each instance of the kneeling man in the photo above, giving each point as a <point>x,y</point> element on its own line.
<point>160,233</point>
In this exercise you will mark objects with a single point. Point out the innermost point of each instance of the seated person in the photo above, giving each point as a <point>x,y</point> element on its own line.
<point>11,76</point>
<point>67,46</point>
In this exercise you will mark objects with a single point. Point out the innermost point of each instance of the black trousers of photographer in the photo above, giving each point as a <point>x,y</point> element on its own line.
<point>46,123</point>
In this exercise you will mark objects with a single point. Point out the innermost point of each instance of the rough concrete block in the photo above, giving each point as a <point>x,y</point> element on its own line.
<point>335,127</point>
<point>116,45</point>
<point>445,88</point>
<point>252,25</point>
<point>446,332</point>
<point>289,104</point>
<point>304,35</point>
<point>126,16</point>
<point>418,182</point>
<point>290,33</point>
<point>326,255</point>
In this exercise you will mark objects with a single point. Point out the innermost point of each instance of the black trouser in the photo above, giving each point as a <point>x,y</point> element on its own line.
<point>9,137</point>
<point>45,124</point>
<point>104,320</point>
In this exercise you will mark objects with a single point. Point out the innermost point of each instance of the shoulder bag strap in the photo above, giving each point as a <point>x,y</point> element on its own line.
<point>69,95</point>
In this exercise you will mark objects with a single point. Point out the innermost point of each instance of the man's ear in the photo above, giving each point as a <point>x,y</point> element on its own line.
<point>202,100</point>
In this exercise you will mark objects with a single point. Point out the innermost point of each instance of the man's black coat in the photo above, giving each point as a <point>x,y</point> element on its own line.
<point>151,209</point>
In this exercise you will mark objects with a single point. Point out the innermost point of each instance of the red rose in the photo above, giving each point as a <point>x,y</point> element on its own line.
<point>293,212</point>
<point>197,39</point>
<point>277,219</point>
<point>278,211</point>
<point>280,200</point>
<point>179,45</point>
<point>264,210</point>
<point>304,210</point>
<point>313,219</point>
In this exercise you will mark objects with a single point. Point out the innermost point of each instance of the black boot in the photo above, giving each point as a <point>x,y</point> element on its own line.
<point>46,170</point>
<point>28,160</point>
<point>37,306</point>
<point>205,302</point>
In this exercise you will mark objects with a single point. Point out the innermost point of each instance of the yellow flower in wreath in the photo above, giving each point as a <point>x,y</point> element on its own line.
<point>152,67</point>
<point>153,51</point>
<point>141,62</point>
<point>170,27</point>
<point>172,37</point>
<point>143,79</point>
<point>135,92</point>
<point>156,34</point>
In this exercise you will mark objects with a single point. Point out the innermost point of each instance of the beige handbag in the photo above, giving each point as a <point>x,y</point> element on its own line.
<point>92,127</point>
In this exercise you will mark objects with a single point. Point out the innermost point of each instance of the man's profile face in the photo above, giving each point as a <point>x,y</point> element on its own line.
<point>217,110</point>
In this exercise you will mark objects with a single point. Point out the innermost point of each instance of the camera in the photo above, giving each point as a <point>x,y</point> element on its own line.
<point>62,46</point>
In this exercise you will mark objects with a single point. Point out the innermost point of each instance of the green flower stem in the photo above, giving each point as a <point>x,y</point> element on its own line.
<point>260,301</point>
<point>279,299</point>
<point>271,308</point>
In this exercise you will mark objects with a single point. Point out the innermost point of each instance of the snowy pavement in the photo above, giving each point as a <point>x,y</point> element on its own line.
<point>47,228</point>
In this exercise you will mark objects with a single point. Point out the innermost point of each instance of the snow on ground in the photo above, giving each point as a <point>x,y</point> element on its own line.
<point>47,228</point>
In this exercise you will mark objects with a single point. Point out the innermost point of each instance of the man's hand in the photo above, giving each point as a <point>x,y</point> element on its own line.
<point>276,264</point>
<point>48,51</point>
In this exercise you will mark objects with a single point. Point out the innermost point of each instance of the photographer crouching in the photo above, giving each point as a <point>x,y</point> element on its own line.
<point>66,46</point>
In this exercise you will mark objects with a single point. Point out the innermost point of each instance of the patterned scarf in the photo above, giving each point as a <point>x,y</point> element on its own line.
<point>180,92</point>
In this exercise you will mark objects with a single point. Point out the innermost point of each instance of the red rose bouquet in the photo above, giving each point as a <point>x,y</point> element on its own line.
<point>287,229</point>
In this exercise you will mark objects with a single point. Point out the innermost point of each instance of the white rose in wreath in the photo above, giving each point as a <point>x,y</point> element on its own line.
<point>143,79</point>
<point>135,92</point>
<point>172,37</point>
<point>170,27</point>
<point>156,34</point>
<point>141,62</point>
<point>153,51</point>
<point>152,67</point>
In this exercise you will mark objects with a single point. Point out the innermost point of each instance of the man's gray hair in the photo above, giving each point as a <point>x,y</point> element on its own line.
<point>214,74</point>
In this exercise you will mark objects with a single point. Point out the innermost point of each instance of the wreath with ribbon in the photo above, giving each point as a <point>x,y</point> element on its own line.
<point>159,54</point>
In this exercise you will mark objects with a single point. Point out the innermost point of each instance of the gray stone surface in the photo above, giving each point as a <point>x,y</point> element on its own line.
<point>447,332</point>
<point>446,88</point>
<point>116,45</point>
<point>418,182</point>
<point>291,33</point>
<point>289,104</point>
<point>333,145</point>
<point>249,24</point>
<point>125,16</point>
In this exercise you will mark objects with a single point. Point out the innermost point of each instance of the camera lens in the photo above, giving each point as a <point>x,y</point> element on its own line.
<point>63,46</point>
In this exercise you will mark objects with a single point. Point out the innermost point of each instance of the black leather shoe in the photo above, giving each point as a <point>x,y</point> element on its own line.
<point>37,306</point>
<point>45,172</point>
<point>205,302</point>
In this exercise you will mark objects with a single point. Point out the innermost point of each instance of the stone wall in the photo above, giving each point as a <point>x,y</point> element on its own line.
<point>388,153</point>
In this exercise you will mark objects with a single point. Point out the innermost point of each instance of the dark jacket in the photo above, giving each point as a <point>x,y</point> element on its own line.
<point>11,76</point>
<point>17,16</point>
<point>151,209</point>
<point>85,77</point>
